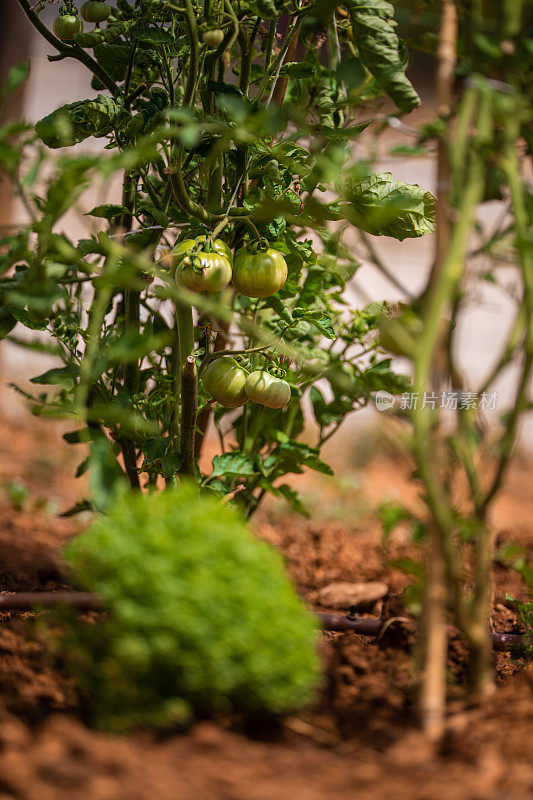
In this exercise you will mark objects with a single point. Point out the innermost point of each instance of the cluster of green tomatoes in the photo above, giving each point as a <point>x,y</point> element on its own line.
<point>68,25</point>
<point>231,385</point>
<point>207,265</point>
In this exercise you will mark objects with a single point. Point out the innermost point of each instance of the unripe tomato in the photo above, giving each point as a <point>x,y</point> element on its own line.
<point>67,26</point>
<point>201,271</point>
<point>267,390</point>
<point>224,380</point>
<point>259,274</point>
<point>216,246</point>
<point>213,38</point>
<point>95,11</point>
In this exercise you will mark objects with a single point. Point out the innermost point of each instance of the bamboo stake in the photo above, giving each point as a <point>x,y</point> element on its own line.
<point>433,644</point>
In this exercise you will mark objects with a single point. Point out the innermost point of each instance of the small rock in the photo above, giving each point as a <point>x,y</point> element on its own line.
<point>344,594</point>
<point>207,734</point>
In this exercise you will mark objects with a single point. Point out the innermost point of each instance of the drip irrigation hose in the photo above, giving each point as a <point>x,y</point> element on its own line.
<point>363,626</point>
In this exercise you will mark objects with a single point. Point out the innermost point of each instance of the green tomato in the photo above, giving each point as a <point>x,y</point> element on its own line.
<point>213,38</point>
<point>201,271</point>
<point>95,11</point>
<point>217,246</point>
<point>267,390</point>
<point>224,380</point>
<point>259,274</point>
<point>67,26</point>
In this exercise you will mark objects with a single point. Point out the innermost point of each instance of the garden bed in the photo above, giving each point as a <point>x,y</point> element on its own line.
<point>360,739</point>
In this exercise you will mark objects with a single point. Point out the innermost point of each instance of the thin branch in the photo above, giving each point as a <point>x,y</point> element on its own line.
<point>189,412</point>
<point>70,51</point>
<point>219,353</point>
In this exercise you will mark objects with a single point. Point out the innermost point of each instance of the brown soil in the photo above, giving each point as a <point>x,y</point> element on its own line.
<point>359,741</point>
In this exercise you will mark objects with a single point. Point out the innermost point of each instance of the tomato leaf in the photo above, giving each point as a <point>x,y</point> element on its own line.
<point>286,491</point>
<point>107,211</point>
<point>384,207</point>
<point>328,413</point>
<point>234,464</point>
<point>152,35</point>
<point>106,478</point>
<point>380,377</point>
<point>297,69</point>
<point>56,376</point>
<point>74,122</point>
<point>90,39</point>
<point>379,49</point>
<point>317,318</point>
<point>291,456</point>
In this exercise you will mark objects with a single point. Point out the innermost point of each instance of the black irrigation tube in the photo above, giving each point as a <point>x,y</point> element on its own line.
<point>363,626</point>
<point>32,601</point>
<point>366,626</point>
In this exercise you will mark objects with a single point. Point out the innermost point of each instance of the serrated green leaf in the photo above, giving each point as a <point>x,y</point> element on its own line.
<point>298,69</point>
<point>170,464</point>
<point>74,122</point>
<point>90,39</point>
<point>152,35</point>
<point>56,376</point>
<point>286,491</point>
<point>328,413</point>
<point>317,318</point>
<point>383,206</point>
<point>22,316</point>
<point>351,72</point>
<point>107,211</point>
<point>379,49</point>
<point>233,464</point>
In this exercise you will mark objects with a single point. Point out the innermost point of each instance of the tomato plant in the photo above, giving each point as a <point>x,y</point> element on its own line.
<point>232,126</point>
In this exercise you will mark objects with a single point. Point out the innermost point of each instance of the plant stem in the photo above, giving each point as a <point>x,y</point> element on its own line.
<point>194,59</point>
<point>432,699</point>
<point>185,326</point>
<point>512,169</point>
<point>276,65</point>
<point>70,51</point>
<point>189,411</point>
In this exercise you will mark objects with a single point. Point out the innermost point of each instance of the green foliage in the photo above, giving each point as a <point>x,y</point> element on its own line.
<point>201,615</point>
<point>525,612</point>
<point>239,138</point>
<point>75,122</point>
<point>384,207</point>
<point>379,49</point>
<point>515,556</point>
